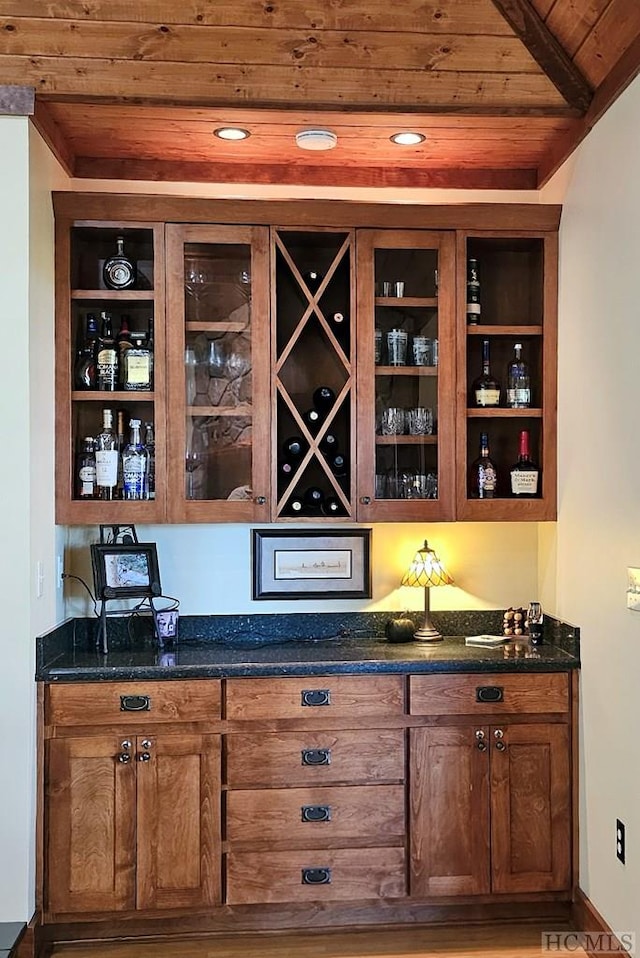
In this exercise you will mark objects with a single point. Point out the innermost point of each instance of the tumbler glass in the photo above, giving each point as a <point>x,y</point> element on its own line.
<point>397,347</point>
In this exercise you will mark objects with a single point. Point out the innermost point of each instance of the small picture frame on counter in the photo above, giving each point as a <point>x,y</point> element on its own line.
<point>312,564</point>
<point>126,571</point>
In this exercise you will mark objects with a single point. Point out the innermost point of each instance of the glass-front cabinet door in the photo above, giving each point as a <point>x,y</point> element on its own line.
<point>218,361</point>
<point>406,362</point>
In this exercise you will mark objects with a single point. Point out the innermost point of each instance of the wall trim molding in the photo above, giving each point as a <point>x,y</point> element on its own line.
<point>17,100</point>
<point>586,918</point>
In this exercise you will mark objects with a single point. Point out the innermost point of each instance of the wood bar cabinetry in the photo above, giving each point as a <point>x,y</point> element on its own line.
<point>251,319</point>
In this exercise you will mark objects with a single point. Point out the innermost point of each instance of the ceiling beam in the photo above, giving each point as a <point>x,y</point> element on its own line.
<point>550,56</point>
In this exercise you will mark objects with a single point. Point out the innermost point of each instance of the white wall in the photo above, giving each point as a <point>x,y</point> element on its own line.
<point>598,530</point>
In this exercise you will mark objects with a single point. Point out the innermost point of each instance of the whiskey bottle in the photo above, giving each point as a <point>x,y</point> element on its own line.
<point>473,293</point>
<point>87,488</point>
<point>483,475</point>
<point>525,474</point>
<point>118,271</point>
<point>134,465</point>
<point>85,368</point>
<point>518,381</point>
<point>107,458</point>
<point>485,390</point>
<point>107,356</point>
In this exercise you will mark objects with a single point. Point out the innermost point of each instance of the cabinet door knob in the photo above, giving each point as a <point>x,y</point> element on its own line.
<point>126,745</point>
<point>146,744</point>
<point>501,746</point>
<point>144,757</point>
<point>124,758</point>
<point>365,500</point>
<point>260,500</point>
<point>481,746</point>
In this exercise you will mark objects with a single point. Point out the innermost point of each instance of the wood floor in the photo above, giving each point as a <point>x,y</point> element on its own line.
<point>470,941</point>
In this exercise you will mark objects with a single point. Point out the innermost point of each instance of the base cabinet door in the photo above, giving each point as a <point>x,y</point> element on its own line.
<point>91,825</point>
<point>449,811</point>
<point>133,823</point>
<point>490,809</point>
<point>530,808</point>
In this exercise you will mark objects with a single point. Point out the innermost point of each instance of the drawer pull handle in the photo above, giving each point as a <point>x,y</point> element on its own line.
<point>135,703</point>
<point>316,756</point>
<point>316,813</point>
<point>316,876</point>
<point>315,697</point>
<point>489,693</point>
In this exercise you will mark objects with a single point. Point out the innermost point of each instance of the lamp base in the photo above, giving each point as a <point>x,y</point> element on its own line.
<point>427,635</point>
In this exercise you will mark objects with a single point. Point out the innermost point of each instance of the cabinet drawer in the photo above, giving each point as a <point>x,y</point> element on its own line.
<point>315,875</point>
<point>315,815</point>
<point>339,696</point>
<point>481,694</point>
<point>315,758</point>
<point>125,703</point>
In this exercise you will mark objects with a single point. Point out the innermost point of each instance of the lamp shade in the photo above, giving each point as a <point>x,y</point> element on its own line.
<point>426,570</point>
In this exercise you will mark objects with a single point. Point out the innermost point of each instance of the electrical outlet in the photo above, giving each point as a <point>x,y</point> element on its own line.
<point>39,579</point>
<point>621,842</point>
<point>59,570</point>
<point>633,589</point>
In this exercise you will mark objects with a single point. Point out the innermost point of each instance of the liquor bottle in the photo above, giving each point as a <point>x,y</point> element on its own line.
<point>473,293</point>
<point>151,348</point>
<point>483,474</point>
<point>338,465</point>
<point>313,279</point>
<point>107,356</point>
<point>323,398</point>
<point>118,271</point>
<point>329,444</point>
<point>150,448</point>
<point>123,345</point>
<point>331,506</point>
<point>120,440</point>
<point>518,381</point>
<point>107,458</point>
<point>293,447</point>
<point>136,374</point>
<point>87,488</point>
<point>85,368</point>
<point>312,419</point>
<point>313,498</point>
<point>485,390</point>
<point>134,464</point>
<point>525,474</point>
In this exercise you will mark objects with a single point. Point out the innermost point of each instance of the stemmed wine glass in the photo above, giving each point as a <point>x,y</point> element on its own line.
<point>196,280</point>
<point>194,457</point>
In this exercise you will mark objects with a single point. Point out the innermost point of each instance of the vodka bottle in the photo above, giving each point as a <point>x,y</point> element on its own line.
<point>134,465</point>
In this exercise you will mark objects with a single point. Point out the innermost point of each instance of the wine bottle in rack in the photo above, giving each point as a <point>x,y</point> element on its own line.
<point>312,418</point>
<point>295,506</point>
<point>332,506</point>
<point>483,474</point>
<point>329,443</point>
<point>338,319</point>
<point>286,469</point>
<point>85,369</point>
<point>338,465</point>
<point>313,498</point>
<point>293,448</point>
<point>119,271</point>
<point>323,398</point>
<point>486,388</point>
<point>473,292</point>
<point>313,279</point>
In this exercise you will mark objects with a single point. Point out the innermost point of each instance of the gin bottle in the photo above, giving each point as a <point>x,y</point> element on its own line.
<point>134,465</point>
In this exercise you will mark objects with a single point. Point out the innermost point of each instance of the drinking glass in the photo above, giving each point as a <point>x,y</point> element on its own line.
<point>392,421</point>
<point>420,421</point>
<point>421,350</point>
<point>378,347</point>
<point>194,458</point>
<point>397,347</point>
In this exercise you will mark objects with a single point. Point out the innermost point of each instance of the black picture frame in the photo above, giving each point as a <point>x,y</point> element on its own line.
<point>311,564</point>
<point>126,571</point>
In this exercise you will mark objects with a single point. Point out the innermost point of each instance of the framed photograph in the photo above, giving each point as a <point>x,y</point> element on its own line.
<point>315,564</point>
<point>126,571</point>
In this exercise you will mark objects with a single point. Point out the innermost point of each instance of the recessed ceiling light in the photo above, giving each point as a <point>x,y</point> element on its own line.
<point>407,138</point>
<point>316,140</point>
<point>231,133</point>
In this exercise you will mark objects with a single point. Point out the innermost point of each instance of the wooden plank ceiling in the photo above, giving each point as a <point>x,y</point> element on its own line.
<point>503,90</point>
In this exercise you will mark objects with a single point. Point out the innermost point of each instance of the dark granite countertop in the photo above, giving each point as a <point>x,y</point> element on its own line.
<point>265,646</point>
